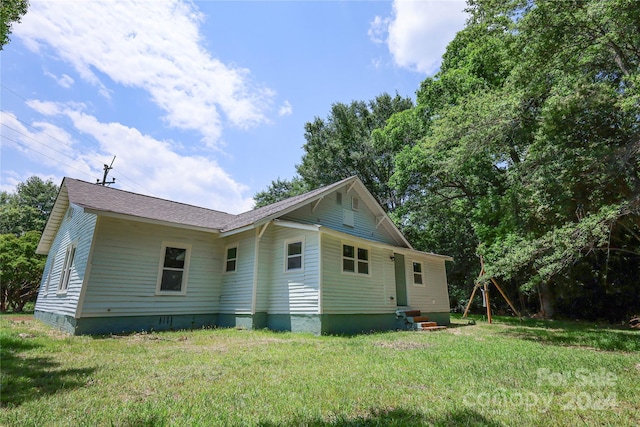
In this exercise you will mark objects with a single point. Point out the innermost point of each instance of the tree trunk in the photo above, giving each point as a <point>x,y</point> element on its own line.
<point>547,300</point>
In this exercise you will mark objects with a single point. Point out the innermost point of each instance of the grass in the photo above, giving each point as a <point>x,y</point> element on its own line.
<point>525,373</point>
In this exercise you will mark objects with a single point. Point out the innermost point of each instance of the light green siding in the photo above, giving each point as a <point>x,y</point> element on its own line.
<point>330,214</point>
<point>125,266</point>
<point>351,293</point>
<point>237,287</point>
<point>78,227</point>
<point>433,296</point>
<point>264,269</point>
<point>293,291</point>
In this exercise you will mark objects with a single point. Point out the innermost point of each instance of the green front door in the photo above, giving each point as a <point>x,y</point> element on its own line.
<point>401,280</point>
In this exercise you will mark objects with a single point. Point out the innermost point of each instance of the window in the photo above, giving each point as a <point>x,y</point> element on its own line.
<point>294,255</point>
<point>51,267</point>
<point>355,203</point>
<point>417,273</point>
<point>355,260</point>
<point>65,274</point>
<point>231,259</point>
<point>174,266</point>
<point>339,198</point>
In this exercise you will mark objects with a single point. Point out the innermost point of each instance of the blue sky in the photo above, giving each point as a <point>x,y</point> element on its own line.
<point>204,102</point>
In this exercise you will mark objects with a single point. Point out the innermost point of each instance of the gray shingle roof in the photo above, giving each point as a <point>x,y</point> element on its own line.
<point>105,199</point>
<point>281,207</point>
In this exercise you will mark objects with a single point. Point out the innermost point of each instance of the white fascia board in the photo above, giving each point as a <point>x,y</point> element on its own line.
<point>297,225</point>
<point>151,221</point>
<point>53,222</point>
<point>397,249</point>
<point>241,229</point>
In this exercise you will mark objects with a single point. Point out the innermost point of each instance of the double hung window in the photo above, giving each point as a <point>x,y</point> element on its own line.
<point>294,255</point>
<point>65,273</point>
<point>174,266</point>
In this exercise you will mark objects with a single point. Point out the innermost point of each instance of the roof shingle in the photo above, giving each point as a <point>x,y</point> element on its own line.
<point>105,199</point>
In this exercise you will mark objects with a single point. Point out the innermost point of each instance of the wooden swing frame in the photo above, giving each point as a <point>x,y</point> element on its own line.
<point>481,281</point>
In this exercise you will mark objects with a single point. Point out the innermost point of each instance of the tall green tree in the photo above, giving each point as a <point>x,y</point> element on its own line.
<point>280,189</point>
<point>11,11</point>
<point>20,270</point>
<point>28,208</point>
<point>533,134</point>
<point>343,145</point>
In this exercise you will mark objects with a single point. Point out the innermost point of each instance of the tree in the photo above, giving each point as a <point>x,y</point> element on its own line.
<point>10,11</point>
<point>532,142</point>
<point>28,208</point>
<point>280,190</point>
<point>346,144</point>
<point>20,269</point>
<point>23,216</point>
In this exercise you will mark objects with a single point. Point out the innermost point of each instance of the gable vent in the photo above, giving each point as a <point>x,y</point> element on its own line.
<point>339,198</point>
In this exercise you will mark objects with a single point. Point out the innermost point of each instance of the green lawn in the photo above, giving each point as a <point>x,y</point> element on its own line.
<point>508,373</point>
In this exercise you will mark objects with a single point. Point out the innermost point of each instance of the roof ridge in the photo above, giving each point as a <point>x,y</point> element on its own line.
<point>150,197</point>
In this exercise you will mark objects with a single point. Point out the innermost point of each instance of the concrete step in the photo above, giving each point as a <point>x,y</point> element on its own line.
<point>422,325</point>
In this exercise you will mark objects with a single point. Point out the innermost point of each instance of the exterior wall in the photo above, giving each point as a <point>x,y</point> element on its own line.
<point>77,227</point>
<point>433,295</point>
<point>237,287</point>
<point>329,213</point>
<point>296,291</point>
<point>264,269</point>
<point>351,293</point>
<point>125,267</point>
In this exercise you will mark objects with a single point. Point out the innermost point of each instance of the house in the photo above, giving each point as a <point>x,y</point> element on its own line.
<point>328,261</point>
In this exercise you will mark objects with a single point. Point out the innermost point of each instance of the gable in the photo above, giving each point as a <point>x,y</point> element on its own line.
<point>350,210</point>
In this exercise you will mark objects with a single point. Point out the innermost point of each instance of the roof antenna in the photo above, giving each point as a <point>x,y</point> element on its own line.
<point>106,172</point>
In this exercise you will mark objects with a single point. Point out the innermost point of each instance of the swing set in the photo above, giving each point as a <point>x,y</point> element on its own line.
<point>482,284</point>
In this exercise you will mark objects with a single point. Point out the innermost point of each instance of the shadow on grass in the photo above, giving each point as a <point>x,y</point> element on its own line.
<point>601,339</point>
<point>27,378</point>
<point>397,417</point>
<point>569,333</point>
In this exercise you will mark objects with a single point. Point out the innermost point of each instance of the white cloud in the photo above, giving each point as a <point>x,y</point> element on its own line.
<point>143,164</point>
<point>153,45</point>
<point>418,32</point>
<point>285,109</point>
<point>379,29</point>
<point>65,81</point>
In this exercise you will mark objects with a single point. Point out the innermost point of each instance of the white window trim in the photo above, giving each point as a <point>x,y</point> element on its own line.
<point>226,252</point>
<point>355,259</point>
<point>51,268</point>
<point>355,203</point>
<point>185,270</point>
<point>413,273</point>
<point>286,255</point>
<point>67,267</point>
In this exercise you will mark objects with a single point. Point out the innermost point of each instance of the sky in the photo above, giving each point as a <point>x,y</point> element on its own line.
<point>199,102</point>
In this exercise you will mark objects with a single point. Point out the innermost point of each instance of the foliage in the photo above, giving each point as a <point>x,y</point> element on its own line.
<point>343,145</point>
<point>29,207</point>
<point>262,378</point>
<point>20,270</point>
<point>280,189</point>
<point>23,216</point>
<point>532,150</point>
<point>10,11</point>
